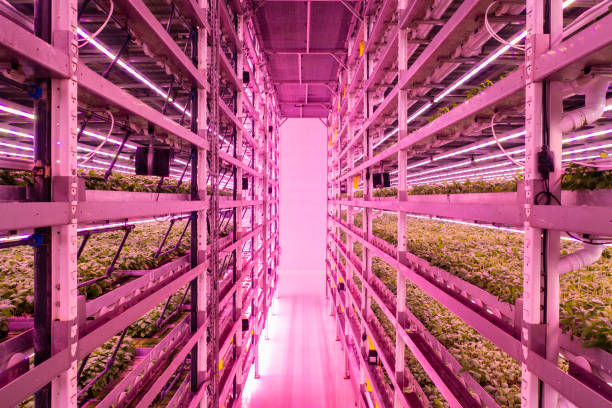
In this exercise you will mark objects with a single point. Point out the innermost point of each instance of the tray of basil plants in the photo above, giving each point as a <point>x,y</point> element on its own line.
<point>492,260</point>
<point>16,293</point>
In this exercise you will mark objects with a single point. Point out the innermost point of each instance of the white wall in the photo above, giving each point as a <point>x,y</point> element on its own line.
<point>303,179</point>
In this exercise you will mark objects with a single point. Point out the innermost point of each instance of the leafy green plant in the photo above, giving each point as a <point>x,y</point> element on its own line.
<point>585,178</point>
<point>96,363</point>
<point>94,180</point>
<point>493,260</point>
<point>494,370</point>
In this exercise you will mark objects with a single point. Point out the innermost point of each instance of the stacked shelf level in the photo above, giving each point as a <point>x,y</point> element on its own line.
<point>464,126</point>
<point>134,290</point>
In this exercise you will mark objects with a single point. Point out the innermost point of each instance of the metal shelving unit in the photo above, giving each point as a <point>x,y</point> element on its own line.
<point>411,60</point>
<point>163,74</point>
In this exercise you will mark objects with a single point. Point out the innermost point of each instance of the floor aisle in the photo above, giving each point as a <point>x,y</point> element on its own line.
<point>301,365</point>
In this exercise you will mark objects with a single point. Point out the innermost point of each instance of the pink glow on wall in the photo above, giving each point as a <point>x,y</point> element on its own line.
<point>303,175</point>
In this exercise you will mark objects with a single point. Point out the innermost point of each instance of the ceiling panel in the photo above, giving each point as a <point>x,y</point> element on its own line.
<point>298,38</point>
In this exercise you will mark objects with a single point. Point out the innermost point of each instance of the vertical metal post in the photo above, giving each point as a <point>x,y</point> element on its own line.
<point>63,128</point>
<point>367,212</point>
<point>42,192</point>
<point>42,253</point>
<point>259,268</point>
<point>199,231</point>
<point>214,200</point>
<point>238,154</point>
<point>543,110</point>
<point>400,345</point>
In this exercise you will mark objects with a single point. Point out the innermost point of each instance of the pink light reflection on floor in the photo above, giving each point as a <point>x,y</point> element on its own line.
<point>301,365</point>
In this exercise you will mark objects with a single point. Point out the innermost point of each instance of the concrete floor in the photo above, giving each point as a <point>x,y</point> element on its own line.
<point>301,365</point>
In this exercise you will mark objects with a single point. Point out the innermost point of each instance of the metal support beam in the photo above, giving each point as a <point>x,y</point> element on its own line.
<point>351,9</point>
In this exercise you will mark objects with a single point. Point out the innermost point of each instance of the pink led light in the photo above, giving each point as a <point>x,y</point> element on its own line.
<point>120,224</point>
<point>442,178</point>
<point>480,66</point>
<point>103,153</point>
<point>497,155</point>
<point>589,148</point>
<point>27,156</point>
<point>16,133</point>
<point>14,146</point>
<point>451,166</point>
<point>120,166</point>
<point>86,132</point>
<point>480,145</point>
<point>588,135</point>
<point>13,238</point>
<point>471,224</point>
<point>130,70</point>
<point>381,141</point>
<point>87,166</point>
<point>474,224</point>
<point>504,164</point>
<point>18,112</point>
<point>110,139</point>
<point>596,156</point>
<point>419,112</point>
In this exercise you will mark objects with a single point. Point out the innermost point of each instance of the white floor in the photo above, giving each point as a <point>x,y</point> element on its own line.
<point>301,364</point>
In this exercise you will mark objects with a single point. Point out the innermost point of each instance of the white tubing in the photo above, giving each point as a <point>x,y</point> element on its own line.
<point>586,256</point>
<point>595,101</point>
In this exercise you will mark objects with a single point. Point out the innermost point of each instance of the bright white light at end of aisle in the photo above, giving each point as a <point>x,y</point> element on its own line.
<point>130,70</point>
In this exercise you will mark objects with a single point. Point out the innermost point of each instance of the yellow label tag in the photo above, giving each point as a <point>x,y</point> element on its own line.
<point>336,133</point>
<point>341,308</point>
<point>361,48</point>
<point>356,182</point>
<point>368,385</point>
<point>221,364</point>
<point>339,278</point>
<point>331,142</point>
<point>370,344</point>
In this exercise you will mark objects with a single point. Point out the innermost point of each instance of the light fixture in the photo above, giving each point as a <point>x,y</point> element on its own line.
<point>18,112</point>
<point>131,70</point>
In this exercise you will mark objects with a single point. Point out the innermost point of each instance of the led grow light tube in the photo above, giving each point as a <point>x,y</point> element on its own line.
<point>94,135</point>
<point>131,70</point>
<point>492,166</point>
<point>480,145</point>
<point>27,156</point>
<point>18,112</point>
<point>442,178</point>
<point>381,141</point>
<point>496,155</point>
<point>16,133</point>
<point>14,146</point>
<point>109,139</point>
